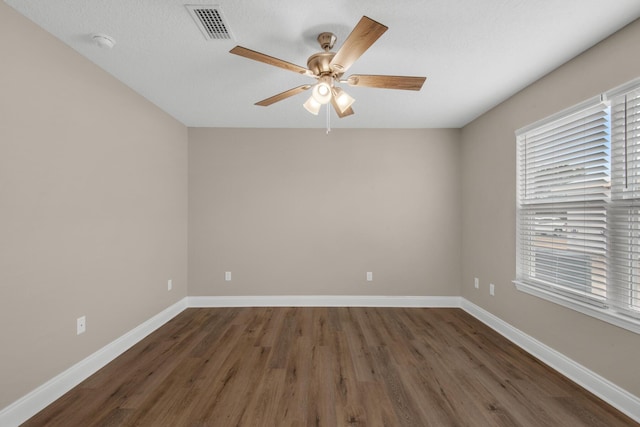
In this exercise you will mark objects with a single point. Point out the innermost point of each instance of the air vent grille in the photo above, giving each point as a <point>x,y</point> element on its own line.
<point>210,21</point>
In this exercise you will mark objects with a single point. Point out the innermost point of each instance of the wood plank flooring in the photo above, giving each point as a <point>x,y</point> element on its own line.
<point>327,367</point>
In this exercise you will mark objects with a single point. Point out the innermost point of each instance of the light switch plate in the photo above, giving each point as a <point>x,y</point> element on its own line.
<point>81,325</point>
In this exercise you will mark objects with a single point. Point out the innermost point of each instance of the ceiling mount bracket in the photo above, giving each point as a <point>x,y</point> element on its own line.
<point>327,40</point>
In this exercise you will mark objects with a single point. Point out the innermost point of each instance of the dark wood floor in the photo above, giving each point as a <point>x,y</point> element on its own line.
<point>327,367</point>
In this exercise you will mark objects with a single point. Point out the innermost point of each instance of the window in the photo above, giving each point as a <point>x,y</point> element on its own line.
<point>579,207</point>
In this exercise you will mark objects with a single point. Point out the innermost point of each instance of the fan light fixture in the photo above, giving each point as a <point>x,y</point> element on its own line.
<point>323,93</point>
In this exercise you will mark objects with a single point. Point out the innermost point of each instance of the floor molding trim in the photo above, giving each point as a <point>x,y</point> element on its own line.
<point>601,387</point>
<point>33,402</point>
<point>324,301</point>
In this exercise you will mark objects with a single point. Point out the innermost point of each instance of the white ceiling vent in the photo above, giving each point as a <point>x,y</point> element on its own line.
<point>210,21</point>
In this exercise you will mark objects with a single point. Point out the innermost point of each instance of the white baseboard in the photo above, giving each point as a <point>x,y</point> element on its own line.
<point>324,301</point>
<point>601,387</point>
<point>32,403</point>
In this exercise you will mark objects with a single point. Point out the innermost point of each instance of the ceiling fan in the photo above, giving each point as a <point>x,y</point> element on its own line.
<point>327,68</point>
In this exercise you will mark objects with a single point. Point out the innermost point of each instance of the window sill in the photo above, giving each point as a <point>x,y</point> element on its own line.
<point>603,314</point>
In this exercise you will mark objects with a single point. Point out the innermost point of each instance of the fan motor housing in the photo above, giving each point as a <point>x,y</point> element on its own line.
<point>320,64</point>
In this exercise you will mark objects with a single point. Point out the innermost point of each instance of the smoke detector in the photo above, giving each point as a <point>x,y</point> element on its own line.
<point>103,40</point>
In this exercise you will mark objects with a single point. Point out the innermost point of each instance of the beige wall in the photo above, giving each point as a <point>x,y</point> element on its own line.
<point>93,207</point>
<point>488,194</point>
<point>299,212</point>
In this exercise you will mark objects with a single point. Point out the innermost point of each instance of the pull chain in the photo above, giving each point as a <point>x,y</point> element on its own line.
<point>328,119</point>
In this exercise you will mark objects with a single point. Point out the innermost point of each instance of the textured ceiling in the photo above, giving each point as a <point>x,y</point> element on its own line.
<point>474,53</point>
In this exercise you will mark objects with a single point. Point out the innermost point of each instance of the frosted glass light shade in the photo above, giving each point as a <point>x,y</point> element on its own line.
<point>312,105</point>
<point>322,93</point>
<point>342,99</point>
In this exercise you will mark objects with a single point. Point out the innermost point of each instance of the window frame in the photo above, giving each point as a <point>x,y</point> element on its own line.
<point>606,312</point>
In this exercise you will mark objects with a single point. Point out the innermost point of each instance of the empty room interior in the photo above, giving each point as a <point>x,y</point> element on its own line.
<point>175,251</point>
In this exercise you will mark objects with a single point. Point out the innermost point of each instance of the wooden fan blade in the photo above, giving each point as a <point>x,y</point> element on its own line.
<point>261,57</point>
<point>284,95</point>
<point>347,112</point>
<point>387,82</point>
<point>365,33</point>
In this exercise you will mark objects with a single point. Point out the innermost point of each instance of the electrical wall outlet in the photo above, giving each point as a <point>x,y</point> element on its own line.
<point>369,276</point>
<point>476,283</point>
<point>492,289</point>
<point>227,276</point>
<point>169,284</point>
<point>81,325</point>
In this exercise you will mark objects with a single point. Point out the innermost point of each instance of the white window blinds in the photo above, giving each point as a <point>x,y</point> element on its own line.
<point>562,199</point>
<point>579,207</point>
<point>623,290</point>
